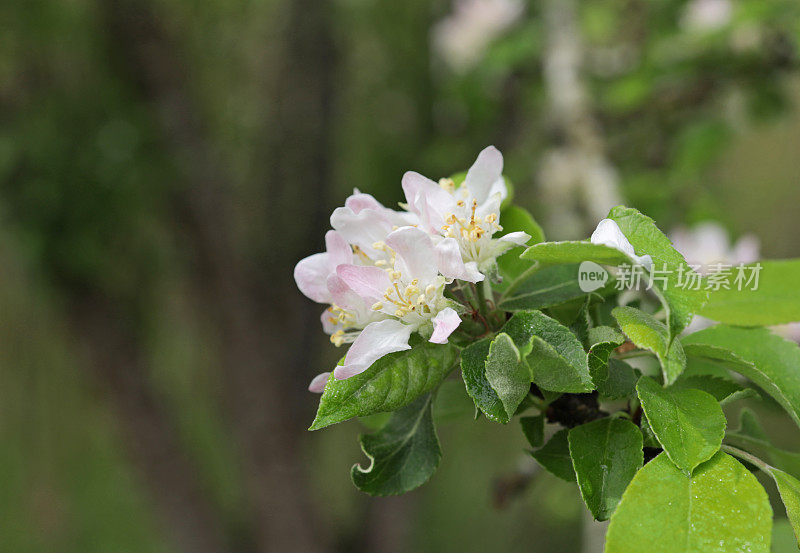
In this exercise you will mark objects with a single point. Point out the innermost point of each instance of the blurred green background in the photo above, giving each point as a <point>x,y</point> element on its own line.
<point>165,163</point>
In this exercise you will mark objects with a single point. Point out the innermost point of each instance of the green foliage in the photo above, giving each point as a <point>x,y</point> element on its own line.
<point>556,357</point>
<point>539,288</point>
<point>507,373</point>
<point>612,377</point>
<point>559,253</point>
<point>509,264</point>
<point>473,371</point>
<point>648,333</point>
<point>403,454</point>
<point>721,508</point>
<point>390,383</point>
<point>768,360</point>
<point>533,429</point>
<point>689,424</point>
<point>788,487</point>
<point>554,456</point>
<point>645,237</point>
<point>605,455</point>
<point>774,301</point>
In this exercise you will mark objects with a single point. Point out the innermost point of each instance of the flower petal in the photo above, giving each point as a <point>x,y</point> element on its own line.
<point>343,295</point>
<point>609,234</point>
<point>339,251</point>
<point>362,229</point>
<point>415,254</point>
<point>311,276</point>
<point>451,264</point>
<point>375,341</point>
<point>329,323</point>
<point>484,175</point>
<point>516,238</point>
<point>360,201</point>
<point>318,383</point>
<point>444,323</point>
<point>428,200</point>
<point>370,283</point>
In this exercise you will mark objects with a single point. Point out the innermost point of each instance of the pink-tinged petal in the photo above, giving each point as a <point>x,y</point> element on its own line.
<point>428,200</point>
<point>311,276</point>
<point>329,323</point>
<point>415,254</point>
<point>362,229</point>
<point>344,296</point>
<point>339,251</point>
<point>444,323</point>
<point>318,383</point>
<point>360,201</point>
<point>451,264</point>
<point>368,282</point>
<point>375,341</point>
<point>516,238</point>
<point>484,173</point>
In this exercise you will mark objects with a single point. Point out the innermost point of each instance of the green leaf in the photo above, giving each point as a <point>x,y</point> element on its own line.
<point>555,356</point>
<point>788,488</point>
<point>451,402</point>
<point>605,454</point>
<point>403,455</point>
<point>751,437</point>
<point>533,428</point>
<point>540,288</point>
<point>766,359</point>
<point>515,219</point>
<point>390,383</point>
<point>473,371</point>
<point>648,333</point>
<point>648,436</point>
<point>613,378</point>
<point>721,508</point>
<point>689,424</point>
<point>774,302</point>
<point>554,456</point>
<point>621,381</point>
<point>559,253</point>
<point>507,373</point>
<point>724,390</point>
<point>679,301</point>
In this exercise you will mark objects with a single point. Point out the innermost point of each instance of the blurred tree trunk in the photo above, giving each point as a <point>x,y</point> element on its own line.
<point>262,322</point>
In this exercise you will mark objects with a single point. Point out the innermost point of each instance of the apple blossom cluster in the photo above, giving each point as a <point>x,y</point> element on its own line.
<point>384,271</point>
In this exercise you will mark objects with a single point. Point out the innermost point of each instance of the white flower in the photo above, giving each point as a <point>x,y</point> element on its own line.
<point>467,215</point>
<point>409,291</point>
<point>311,274</point>
<point>708,244</point>
<point>363,221</point>
<point>461,38</point>
<point>707,15</point>
<point>609,234</point>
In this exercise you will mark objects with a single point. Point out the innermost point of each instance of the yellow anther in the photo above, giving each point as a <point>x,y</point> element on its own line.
<point>491,218</point>
<point>399,313</point>
<point>380,263</point>
<point>396,275</point>
<point>460,203</point>
<point>377,306</point>
<point>447,184</point>
<point>415,282</point>
<point>378,245</point>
